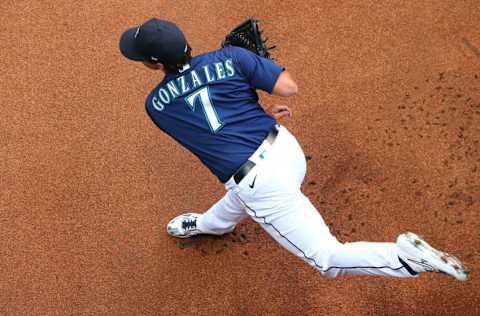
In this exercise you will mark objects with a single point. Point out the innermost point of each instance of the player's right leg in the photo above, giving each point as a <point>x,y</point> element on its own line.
<point>220,219</point>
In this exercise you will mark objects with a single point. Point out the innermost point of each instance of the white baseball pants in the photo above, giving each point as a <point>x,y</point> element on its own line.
<point>270,194</point>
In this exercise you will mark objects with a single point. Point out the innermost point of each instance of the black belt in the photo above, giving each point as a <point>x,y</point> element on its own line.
<point>248,165</point>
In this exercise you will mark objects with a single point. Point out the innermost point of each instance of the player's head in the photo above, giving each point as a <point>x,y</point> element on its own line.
<point>158,44</point>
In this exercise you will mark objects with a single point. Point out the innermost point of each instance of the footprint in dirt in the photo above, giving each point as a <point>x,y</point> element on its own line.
<point>206,244</point>
<point>214,245</point>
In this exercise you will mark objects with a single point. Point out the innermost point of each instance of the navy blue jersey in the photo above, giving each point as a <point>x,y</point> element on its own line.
<point>211,107</point>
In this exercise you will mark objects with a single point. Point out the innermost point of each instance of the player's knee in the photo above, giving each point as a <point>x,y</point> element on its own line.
<point>330,274</point>
<point>327,259</point>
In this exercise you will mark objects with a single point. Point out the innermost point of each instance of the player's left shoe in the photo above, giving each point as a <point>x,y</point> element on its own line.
<point>421,257</point>
<point>184,226</point>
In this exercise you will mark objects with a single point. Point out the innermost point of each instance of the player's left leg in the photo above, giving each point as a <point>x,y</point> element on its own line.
<point>220,219</point>
<point>297,226</point>
<point>272,197</point>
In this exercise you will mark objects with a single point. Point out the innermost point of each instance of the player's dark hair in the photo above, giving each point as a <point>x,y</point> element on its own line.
<point>183,61</point>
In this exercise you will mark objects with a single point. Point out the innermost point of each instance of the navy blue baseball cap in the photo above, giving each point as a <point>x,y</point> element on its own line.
<point>154,41</point>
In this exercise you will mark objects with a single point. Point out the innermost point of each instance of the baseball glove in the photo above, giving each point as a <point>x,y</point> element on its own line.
<point>249,36</point>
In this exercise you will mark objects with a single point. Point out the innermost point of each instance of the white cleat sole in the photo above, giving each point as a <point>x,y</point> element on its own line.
<point>175,229</point>
<point>416,252</point>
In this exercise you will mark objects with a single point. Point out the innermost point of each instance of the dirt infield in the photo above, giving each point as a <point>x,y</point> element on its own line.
<point>388,114</point>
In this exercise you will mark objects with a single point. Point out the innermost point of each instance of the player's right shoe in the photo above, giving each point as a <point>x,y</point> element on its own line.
<point>184,226</point>
<point>421,257</point>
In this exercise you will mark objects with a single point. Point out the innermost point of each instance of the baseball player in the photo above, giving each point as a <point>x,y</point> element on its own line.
<point>208,103</point>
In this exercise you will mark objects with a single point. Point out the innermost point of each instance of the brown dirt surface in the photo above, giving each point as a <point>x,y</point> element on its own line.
<point>388,114</point>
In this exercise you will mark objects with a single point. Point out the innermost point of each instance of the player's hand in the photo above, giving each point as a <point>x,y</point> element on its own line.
<point>279,111</point>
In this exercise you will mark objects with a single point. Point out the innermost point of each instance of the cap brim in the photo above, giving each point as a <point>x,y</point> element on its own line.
<point>127,45</point>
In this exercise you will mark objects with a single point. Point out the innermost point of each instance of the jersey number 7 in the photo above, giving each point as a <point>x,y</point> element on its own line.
<point>203,95</point>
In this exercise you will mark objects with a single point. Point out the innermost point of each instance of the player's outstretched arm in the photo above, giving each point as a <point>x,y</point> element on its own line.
<point>285,86</point>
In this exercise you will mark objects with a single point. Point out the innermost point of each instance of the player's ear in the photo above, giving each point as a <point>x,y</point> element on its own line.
<point>154,66</point>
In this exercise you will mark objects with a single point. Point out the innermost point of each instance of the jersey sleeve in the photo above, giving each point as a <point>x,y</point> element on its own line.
<point>262,73</point>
